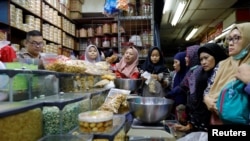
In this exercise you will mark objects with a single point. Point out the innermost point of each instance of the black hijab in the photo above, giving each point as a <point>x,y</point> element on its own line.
<point>159,67</point>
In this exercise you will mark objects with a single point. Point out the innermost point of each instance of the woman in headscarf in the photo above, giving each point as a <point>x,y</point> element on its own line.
<point>92,54</point>
<point>179,92</point>
<point>180,68</point>
<point>187,85</point>
<point>155,66</point>
<point>198,115</point>
<point>238,50</point>
<point>127,67</point>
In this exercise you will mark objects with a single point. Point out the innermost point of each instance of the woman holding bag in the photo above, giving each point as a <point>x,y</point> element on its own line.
<point>238,49</point>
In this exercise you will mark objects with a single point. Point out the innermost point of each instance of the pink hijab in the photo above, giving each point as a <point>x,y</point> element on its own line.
<point>128,69</point>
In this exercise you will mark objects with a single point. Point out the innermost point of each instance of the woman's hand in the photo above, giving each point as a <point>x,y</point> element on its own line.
<point>182,128</point>
<point>210,103</point>
<point>154,76</point>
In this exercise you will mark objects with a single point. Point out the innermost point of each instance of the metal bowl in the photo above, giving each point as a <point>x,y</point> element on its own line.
<point>128,84</point>
<point>150,109</point>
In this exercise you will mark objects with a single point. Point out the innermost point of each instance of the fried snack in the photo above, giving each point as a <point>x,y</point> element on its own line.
<point>113,103</point>
<point>108,77</point>
<point>56,66</point>
<point>111,59</point>
<point>101,83</point>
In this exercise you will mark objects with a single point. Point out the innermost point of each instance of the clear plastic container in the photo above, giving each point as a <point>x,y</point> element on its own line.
<point>106,42</point>
<point>95,121</point>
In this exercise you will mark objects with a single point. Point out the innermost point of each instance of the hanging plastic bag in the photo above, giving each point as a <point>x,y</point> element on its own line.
<point>110,9</point>
<point>122,5</point>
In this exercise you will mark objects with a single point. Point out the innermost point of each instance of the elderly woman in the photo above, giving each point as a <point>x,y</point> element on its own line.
<point>238,50</point>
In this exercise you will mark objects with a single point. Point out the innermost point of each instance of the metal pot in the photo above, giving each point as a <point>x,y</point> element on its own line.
<point>150,109</point>
<point>128,84</point>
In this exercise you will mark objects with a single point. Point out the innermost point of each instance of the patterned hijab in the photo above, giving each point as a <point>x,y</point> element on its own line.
<point>191,53</point>
<point>128,69</point>
<point>228,68</point>
<point>157,68</point>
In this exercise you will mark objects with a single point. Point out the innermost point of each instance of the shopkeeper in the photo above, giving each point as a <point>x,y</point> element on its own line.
<point>33,47</point>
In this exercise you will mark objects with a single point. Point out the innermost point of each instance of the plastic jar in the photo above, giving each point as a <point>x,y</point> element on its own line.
<point>90,32</point>
<point>95,121</point>
<point>114,28</point>
<point>106,28</point>
<point>145,9</point>
<point>97,41</point>
<point>106,42</point>
<point>114,42</point>
<point>99,30</point>
<point>83,32</point>
<point>131,10</point>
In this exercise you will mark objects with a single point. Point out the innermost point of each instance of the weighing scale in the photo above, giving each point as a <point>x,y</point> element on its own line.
<point>149,132</point>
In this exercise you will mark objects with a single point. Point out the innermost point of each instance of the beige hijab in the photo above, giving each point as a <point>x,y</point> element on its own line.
<point>228,68</point>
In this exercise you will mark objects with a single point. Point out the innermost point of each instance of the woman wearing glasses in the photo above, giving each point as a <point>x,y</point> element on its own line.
<point>238,50</point>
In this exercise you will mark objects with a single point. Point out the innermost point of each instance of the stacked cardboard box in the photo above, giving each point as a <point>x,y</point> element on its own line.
<point>76,9</point>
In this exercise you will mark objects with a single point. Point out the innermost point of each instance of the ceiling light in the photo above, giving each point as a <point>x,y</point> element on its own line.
<point>178,12</point>
<point>167,6</point>
<point>191,34</point>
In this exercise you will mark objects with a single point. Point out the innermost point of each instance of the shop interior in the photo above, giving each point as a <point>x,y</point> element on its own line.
<point>73,101</point>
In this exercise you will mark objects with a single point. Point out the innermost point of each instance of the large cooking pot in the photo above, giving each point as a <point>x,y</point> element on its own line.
<point>128,84</point>
<point>150,109</point>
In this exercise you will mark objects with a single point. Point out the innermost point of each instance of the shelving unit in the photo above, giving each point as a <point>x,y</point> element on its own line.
<point>103,40</point>
<point>138,24</point>
<point>49,17</point>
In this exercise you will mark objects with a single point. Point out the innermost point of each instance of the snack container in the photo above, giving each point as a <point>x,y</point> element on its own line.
<point>95,121</point>
<point>20,121</point>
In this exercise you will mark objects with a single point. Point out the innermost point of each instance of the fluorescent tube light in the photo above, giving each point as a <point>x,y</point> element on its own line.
<point>167,6</point>
<point>178,12</point>
<point>222,35</point>
<point>191,34</point>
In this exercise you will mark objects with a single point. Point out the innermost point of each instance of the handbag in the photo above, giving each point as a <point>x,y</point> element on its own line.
<point>233,103</point>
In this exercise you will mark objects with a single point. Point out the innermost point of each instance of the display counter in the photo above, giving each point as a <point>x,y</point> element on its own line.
<point>20,121</point>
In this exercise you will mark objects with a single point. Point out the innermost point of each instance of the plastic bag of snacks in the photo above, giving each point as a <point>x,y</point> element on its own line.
<point>114,100</point>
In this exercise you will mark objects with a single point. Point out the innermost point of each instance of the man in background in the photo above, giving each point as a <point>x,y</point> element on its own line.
<point>33,47</point>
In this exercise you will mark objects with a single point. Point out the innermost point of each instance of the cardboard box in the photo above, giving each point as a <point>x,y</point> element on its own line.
<point>75,5</point>
<point>75,15</point>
